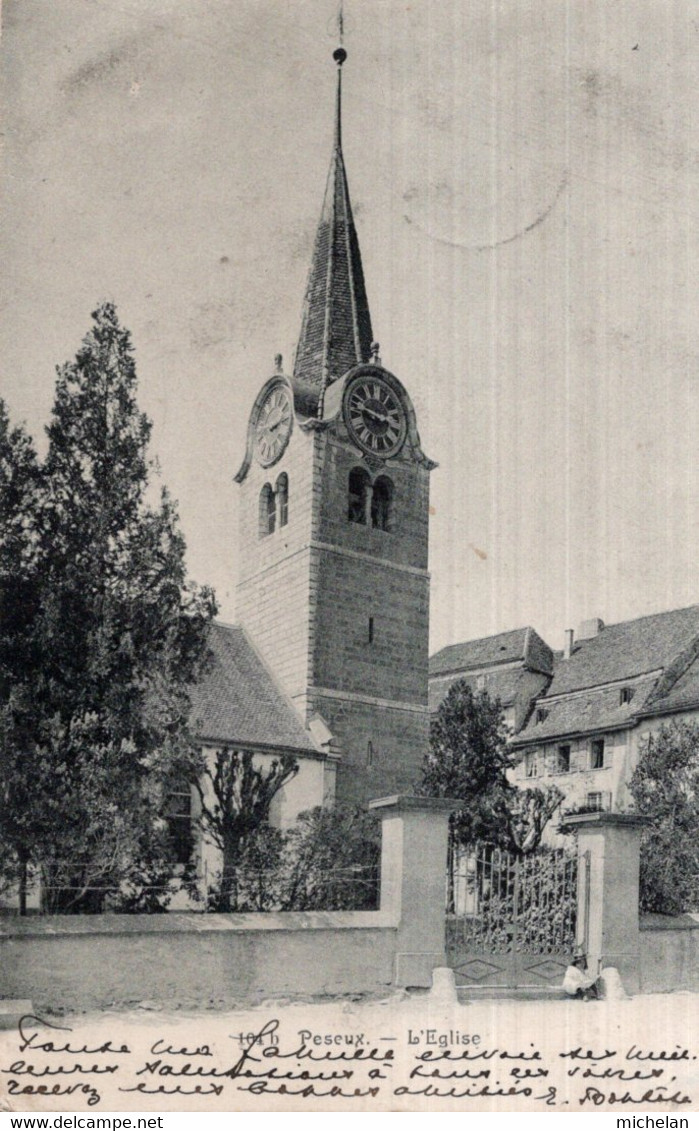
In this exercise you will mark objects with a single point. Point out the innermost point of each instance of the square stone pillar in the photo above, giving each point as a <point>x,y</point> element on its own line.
<point>608,855</point>
<point>414,841</point>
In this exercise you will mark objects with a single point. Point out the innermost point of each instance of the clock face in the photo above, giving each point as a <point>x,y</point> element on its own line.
<point>374,416</point>
<point>273,426</point>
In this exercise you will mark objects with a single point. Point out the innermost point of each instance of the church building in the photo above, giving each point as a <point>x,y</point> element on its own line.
<point>329,660</point>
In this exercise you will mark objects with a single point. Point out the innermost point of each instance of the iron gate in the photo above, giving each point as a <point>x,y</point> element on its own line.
<point>512,921</point>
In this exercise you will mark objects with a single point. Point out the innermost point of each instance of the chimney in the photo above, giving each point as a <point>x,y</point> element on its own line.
<point>568,646</point>
<point>590,628</point>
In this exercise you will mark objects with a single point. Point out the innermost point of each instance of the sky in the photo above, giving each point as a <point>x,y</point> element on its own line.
<point>524,175</point>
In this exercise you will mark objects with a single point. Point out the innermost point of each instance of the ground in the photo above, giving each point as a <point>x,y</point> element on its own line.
<point>406,1052</point>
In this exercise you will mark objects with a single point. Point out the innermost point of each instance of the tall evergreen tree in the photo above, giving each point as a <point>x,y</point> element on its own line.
<point>119,630</point>
<point>20,495</point>
<point>468,760</point>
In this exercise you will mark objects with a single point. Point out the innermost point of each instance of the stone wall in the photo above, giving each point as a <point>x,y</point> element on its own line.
<point>93,962</point>
<point>669,953</point>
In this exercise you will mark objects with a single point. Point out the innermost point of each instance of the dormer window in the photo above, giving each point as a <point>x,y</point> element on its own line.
<point>541,714</point>
<point>625,696</point>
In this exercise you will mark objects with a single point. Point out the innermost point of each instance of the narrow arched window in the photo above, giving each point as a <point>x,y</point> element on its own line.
<point>282,493</point>
<point>381,499</point>
<point>267,511</point>
<point>358,493</point>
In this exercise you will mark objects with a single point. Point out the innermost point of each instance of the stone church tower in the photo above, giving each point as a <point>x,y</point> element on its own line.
<point>334,588</point>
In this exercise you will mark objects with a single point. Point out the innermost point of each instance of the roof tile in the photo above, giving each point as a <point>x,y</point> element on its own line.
<point>237,700</point>
<point>505,647</point>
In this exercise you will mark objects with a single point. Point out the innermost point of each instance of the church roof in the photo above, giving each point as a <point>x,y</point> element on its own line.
<point>336,330</point>
<point>238,702</point>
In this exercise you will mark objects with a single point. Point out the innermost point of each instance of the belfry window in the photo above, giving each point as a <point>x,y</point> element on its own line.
<point>282,493</point>
<point>274,506</point>
<point>381,498</point>
<point>358,496</point>
<point>267,517</point>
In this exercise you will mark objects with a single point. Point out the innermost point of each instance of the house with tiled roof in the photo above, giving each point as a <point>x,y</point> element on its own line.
<point>578,717</point>
<point>611,687</point>
<point>513,667</point>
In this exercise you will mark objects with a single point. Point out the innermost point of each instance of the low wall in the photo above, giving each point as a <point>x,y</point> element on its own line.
<point>669,953</point>
<point>90,962</point>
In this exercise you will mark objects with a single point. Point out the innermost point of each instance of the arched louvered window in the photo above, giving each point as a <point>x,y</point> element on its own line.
<point>267,511</point>
<point>381,500</point>
<point>282,493</point>
<point>358,494</point>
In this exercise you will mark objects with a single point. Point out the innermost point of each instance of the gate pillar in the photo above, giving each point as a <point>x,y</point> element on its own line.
<point>608,853</point>
<point>414,839</point>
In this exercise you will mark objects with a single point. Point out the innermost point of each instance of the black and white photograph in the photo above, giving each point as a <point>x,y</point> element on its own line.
<point>349,529</point>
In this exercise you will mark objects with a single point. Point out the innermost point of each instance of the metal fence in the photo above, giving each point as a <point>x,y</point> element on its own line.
<point>354,888</point>
<point>498,902</point>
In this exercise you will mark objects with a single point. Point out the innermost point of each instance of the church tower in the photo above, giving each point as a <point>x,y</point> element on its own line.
<point>334,588</point>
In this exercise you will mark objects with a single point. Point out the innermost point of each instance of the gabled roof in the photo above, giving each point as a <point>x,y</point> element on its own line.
<point>653,660</point>
<point>336,330</point>
<point>237,700</point>
<point>623,651</point>
<point>520,644</point>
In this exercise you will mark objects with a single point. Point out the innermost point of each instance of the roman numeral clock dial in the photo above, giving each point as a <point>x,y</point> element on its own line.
<point>273,427</point>
<point>374,416</point>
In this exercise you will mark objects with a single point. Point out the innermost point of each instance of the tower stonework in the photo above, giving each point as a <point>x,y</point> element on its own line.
<point>334,588</point>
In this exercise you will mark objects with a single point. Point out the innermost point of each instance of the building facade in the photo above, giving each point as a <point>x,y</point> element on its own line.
<point>584,727</point>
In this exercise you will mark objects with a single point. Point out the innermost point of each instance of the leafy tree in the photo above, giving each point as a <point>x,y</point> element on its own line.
<point>95,727</point>
<point>235,797</point>
<point>333,858</point>
<point>665,788</point>
<point>328,861</point>
<point>529,812</point>
<point>468,760</point>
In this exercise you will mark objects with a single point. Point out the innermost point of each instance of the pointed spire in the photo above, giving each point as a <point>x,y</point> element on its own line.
<point>336,328</point>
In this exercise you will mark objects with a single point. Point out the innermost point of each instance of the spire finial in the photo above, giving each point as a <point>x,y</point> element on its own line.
<point>339,55</point>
